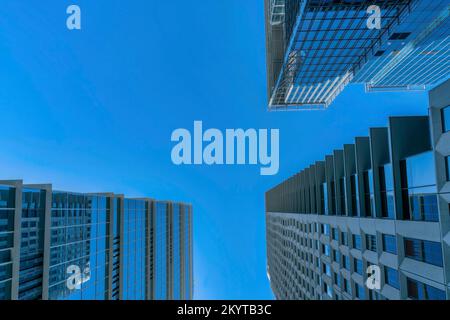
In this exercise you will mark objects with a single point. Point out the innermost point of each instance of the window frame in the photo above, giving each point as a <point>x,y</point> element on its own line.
<point>444,127</point>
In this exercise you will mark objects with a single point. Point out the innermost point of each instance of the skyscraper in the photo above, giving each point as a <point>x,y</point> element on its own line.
<point>71,246</point>
<point>380,204</point>
<point>316,47</point>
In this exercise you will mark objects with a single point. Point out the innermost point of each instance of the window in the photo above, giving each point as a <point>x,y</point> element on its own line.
<point>368,193</point>
<point>326,250</point>
<point>371,242</point>
<point>326,269</point>
<point>391,277</point>
<point>373,295</point>
<point>389,244</point>
<point>337,279</point>
<point>357,242</point>
<point>358,265</point>
<point>336,256</point>
<point>333,198</point>
<point>400,36</point>
<point>421,291</point>
<point>447,167</point>
<point>424,251</point>
<point>445,119</point>
<point>335,234</point>
<point>342,196</point>
<point>419,189</point>
<point>346,262</point>
<point>360,294</point>
<point>354,194</point>
<point>347,287</point>
<point>325,228</point>
<point>344,238</point>
<point>328,290</point>
<point>387,191</point>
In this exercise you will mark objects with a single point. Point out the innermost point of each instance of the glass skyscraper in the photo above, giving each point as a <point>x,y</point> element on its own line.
<point>381,203</point>
<point>71,246</point>
<point>316,47</point>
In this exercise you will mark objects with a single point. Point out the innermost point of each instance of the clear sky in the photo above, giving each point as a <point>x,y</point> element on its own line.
<point>93,110</point>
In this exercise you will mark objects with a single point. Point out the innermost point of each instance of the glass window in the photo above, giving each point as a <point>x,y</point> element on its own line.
<point>368,193</point>
<point>447,167</point>
<point>391,277</point>
<point>335,234</point>
<point>347,287</point>
<point>389,244</point>
<point>344,238</point>
<point>337,279</point>
<point>326,250</point>
<point>358,265</point>
<point>424,251</point>
<point>326,269</point>
<point>336,256</point>
<point>387,191</point>
<point>360,293</point>
<point>346,262</point>
<point>420,291</point>
<point>328,290</point>
<point>357,242</point>
<point>354,194</point>
<point>419,190</point>
<point>371,242</point>
<point>325,229</point>
<point>446,119</point>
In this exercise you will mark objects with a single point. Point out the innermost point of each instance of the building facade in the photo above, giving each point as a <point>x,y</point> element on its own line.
<point>315,48</point>
<point>376,210</point>
<point>71,246</point>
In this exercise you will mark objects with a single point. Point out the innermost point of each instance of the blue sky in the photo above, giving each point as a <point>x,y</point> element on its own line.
<point>93,110</point>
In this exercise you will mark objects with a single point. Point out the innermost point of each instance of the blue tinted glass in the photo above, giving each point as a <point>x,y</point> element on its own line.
<point>176,253</point>
<point>425,251</point>
<point>78,247</point>
<point>358,266</point>
<point>134,259</point>
<point>325,198</point>
<point>420,291</point>
<point>421,170</point>
<point>344,239</point>
<point>432,253</point>
<point>389,244</point>
<point>392,277</point>
<point>360,293</point>
<point>346,262</point>
<point>357,242</point>
<point>32,244</point>
<point>187,255</point>
<point>446,119</point>
<point>335,234</point>
<point>161,249</point>
<point>447,166</point>
<point>389,177</point>
<point>7,197</point>
<point>433,293</point>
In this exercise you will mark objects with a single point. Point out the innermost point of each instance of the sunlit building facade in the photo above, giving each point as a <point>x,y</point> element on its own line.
<point>381,202</point>
<point>71,246</point>
<point>315,48</point>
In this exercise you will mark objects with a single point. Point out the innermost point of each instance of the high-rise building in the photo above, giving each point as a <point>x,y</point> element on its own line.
<point>316,47</point>
<point>71,246</point>
<point>376,209</point>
